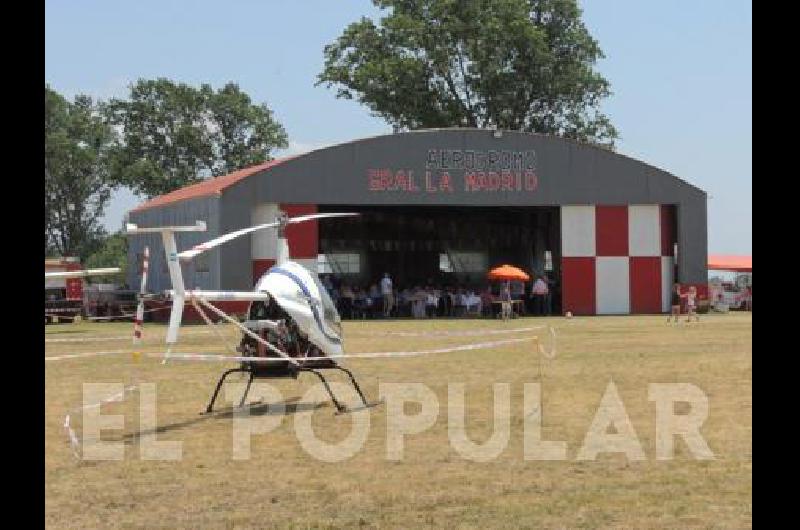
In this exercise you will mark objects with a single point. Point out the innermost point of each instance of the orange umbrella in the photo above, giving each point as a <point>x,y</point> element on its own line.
<point>508,272</point>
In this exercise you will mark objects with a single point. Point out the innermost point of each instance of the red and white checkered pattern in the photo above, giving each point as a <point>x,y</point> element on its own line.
<point>303,237</point>
<point>617,259</point>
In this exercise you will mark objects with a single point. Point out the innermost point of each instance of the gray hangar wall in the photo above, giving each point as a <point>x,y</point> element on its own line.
<point>462,167</point>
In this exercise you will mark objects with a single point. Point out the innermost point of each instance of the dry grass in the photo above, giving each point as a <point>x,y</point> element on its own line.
<point>282,486</point>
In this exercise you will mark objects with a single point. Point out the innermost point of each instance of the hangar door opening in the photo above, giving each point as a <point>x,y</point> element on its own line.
<point>439,245</point>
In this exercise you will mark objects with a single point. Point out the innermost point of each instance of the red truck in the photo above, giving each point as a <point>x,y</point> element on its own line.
<point>63,297</point>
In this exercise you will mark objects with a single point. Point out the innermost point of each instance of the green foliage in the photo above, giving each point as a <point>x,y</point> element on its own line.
<point>172,134</point>
<point>77,185</point>
<point>113,252</point>
<point>522,65</point>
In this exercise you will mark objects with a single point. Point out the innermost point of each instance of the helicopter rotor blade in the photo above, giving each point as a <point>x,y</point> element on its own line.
<point>208,245</point>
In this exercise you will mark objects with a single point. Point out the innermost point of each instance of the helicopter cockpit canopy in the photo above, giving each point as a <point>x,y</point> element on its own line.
<point>300,293</point>
<point>330,315</point>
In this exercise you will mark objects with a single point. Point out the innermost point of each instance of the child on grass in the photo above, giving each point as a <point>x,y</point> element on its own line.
<point>691,304</point>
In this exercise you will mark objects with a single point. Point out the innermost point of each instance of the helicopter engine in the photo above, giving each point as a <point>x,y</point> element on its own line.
<point>285,336</point>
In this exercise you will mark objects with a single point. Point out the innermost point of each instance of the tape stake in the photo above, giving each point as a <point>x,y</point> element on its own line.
<point>73,437</point>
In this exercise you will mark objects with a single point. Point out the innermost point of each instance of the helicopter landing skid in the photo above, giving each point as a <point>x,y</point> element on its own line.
<point>340,408</point>
<point>210,406</point>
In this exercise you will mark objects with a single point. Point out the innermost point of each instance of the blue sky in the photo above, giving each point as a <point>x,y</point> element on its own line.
<point>681,73</point>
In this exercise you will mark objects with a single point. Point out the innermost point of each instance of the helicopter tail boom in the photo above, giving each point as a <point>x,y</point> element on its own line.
<point>216,296</point>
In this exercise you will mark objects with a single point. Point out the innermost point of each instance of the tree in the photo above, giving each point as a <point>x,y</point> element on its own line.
<point>522,65</point>
<point>244,133</point>
<point>77,187</point>
<point>113,252</point>
<point>172,134</point>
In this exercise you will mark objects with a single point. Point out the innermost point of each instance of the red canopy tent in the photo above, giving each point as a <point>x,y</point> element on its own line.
<point>725,262</point>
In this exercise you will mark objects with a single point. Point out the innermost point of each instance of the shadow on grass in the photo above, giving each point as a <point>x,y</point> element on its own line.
<point>287,407</point>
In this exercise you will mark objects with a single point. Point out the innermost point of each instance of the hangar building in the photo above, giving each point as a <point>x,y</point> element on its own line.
<point>444,206</point>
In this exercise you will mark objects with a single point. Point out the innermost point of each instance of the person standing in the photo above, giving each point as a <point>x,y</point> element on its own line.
<point>675,303</point>
<point>539,292</point>
<point>517,290</point>
<point>505,297</point>
<point>346,298</point>
<point>518,294</point>
<point>691,304</point>
<point>388,294</point>
<point>446,302</point>
<point>432,302</point>
<point>486,301</point>
<point>419,299</point>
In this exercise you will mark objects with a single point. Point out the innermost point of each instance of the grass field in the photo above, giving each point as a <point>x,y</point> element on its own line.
<point>282,486</point>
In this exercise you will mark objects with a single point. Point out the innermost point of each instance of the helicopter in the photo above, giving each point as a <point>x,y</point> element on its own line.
<point>292,325</point>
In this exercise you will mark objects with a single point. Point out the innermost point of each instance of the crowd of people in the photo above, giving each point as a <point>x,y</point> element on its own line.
<point>382,299</point>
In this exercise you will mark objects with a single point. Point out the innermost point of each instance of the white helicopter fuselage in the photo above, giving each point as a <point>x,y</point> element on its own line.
<point>299,292</point>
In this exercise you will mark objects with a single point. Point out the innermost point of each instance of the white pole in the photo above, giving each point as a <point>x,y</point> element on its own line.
<point>176,277</point>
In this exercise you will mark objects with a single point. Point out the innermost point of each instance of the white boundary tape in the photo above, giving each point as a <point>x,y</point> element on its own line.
<point>96,338</point>
<point>213,357</point>
<point>352,334</point>
<point>120,316</point>
<point>78,355</point>
<point>547,354</point>
<point>552,353</point>
<point>464,333</point>
<point>373,355</point>
<point>125,315</point>
<point>86,339</point>
<point>83,354</point>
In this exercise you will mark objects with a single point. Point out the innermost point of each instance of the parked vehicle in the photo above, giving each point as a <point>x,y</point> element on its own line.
<point>106,302</point>
<point>62,296</point>
<point>727,295</point>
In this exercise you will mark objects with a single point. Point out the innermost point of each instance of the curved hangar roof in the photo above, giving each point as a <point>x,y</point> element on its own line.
<point>476,167</point>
